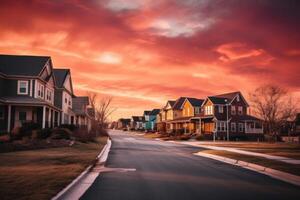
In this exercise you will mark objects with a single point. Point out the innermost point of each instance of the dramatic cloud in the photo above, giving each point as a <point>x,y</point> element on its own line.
<point>144,52</point>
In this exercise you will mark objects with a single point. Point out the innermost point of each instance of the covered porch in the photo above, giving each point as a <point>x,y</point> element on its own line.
<point>182,125</point>
<point>16,115</point>
<point>253,127</point>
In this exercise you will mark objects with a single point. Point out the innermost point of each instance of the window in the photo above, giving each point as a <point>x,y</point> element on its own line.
<point>221,109</point>
<point>42,91</point>
<point>240,110</point>
<point>197,110</point>
<point>221,126</point>
<point>188,111</point>
<point>1,113</point>
<point>66,100</point>
<point>233,127</point>
<point>238,98</point>
<point>233,110</point>
<point>241,127</point>
<point>22,116</point>
<point>208,110</point>
<point>22,87</point>
<point>69,102</point>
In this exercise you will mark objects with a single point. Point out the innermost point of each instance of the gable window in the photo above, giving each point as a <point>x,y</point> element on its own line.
<point>233,111</point>
<point>221,109</point>
<point>240,110</point>
<point>238,98</point>
<point>66,100</point>
<point>22,116</point>
<point>233,127</point>
<point>241,127</point>
<point>22,87</point>
<point>208,110</point>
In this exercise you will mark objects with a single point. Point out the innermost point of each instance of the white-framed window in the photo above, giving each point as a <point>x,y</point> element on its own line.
<point>233,127</point>
<point>240,110</point>
<point>238,98</point>
<point>221,108</point>
<point>2,113</point>
<point>42,91</point>
<point>23,87</point>
<point>241,127</point>
<point>221,126</point>
<point>233,111</point>
<point>208,110</point>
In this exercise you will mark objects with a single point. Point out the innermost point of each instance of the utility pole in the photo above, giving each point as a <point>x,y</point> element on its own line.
<point>227,123</point>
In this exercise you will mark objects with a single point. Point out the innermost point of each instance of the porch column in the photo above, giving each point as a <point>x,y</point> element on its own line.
<point>44,117</point>
<point>200,128</point>
<point>53,118</point>
<point>49,118</point>
<point>245,126</point>
<point>58,118</point>
<point>8,118</point>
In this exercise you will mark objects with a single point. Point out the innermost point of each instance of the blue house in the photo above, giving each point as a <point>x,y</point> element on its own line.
<point>150,119</point>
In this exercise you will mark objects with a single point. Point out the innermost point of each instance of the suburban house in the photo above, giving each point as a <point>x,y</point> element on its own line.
<point>64,94</point>
<point>165,114</point>
<point>27,88</point>
<point>123,123</point>
<point>187,121</point>
<point>137,123</point>
<point>150,118</point>
<point>83,114</point>
<point>226,114</point>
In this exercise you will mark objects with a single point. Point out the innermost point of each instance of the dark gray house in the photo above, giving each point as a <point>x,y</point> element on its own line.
<point>83,113</point>
<point>27,89</point>
<point>64,95</point>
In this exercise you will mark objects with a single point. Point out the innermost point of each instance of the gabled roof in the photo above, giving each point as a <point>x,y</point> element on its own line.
<point>79,103</point>
<point>22,65</point>
<point>60,76</point>
<point>195,102</point>
<point>138,118</point>
<point>230,96</point>
<point>124,120</point>
<point>155,112</point>
<point>178,103</point>
<point>218,100</point>
<point>147,112</point>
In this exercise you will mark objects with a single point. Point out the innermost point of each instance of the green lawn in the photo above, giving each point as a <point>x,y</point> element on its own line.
<point>41,174</point>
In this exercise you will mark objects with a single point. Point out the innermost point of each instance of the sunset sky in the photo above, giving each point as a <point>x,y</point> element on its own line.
<point>144,52</point>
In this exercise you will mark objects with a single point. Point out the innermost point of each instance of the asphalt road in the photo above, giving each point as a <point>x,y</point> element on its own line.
<point>165,170</point>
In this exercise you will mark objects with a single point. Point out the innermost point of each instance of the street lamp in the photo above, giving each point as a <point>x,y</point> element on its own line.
<point>227,123</point>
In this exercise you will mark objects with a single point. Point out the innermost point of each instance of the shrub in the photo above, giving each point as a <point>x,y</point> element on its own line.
<point>61,133</point>
<point>44,133</point>
<point>83,135</point>
<point>200,137</point>
<point>71,127</point>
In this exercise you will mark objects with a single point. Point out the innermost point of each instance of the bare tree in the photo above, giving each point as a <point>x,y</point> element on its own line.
<point>102,108</point>
<point>274,105</point>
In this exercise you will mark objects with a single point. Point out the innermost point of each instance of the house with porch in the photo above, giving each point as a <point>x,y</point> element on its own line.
<point>27,89</point>
<point>165,114</point>
<point>150,118</point>
<point>64,94</point>
<point>187,122</point>
<point>227,115</point>
<point>137,123</point>
<point>123,123</point>
<point>83,114</point>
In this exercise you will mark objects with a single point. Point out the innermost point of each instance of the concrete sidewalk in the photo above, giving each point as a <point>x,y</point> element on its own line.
<point>235,150</point>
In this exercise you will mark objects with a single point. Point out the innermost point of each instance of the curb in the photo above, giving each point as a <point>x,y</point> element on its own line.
<point>101,157</point>
<point>283,176</point>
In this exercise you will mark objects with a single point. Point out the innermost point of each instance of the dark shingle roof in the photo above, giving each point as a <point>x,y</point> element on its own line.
<point>230,96</point>
<point>138,118</point>
<point>178,103</point>
<point>60,76</point>
<point>218,100</point>
<point>146,112</point>
<point>155,112</point>
<point>195,102</point>
<point>79,103</point>
<point>21,65</point>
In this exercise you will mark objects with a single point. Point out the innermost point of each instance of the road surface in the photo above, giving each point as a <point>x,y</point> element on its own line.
<point>165,170</point>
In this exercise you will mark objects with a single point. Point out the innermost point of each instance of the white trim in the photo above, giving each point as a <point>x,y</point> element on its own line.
<point>8,118</point>
<point>31,87</point>
<point>44,117</point>
<point>26,87</point>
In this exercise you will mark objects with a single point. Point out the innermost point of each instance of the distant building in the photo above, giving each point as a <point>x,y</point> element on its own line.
<point>123,123</point>
<point>83,114</point>
<point>137,123</point>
